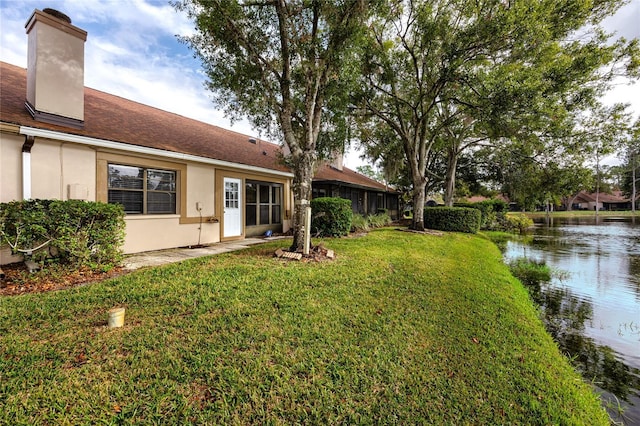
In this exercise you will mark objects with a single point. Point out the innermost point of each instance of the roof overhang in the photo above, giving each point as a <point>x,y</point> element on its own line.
<point>354,185</point>
<point>103,143</point>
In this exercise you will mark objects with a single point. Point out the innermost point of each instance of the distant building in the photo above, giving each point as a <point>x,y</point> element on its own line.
<point>587,201</point>
<point>367,195</point>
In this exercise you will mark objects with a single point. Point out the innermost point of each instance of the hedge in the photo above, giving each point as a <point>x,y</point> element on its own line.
<point>73,232</point>
<point>454,219</point>
<point>493,212</point>
<point>330,217</point>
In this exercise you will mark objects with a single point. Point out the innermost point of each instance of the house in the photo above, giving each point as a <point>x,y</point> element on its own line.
<point>367,195</point>
<point>614,201</point>
<point>181,181</point>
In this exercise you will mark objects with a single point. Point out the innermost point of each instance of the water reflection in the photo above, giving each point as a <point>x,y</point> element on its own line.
<point>594,313</point>
<point>565,317</point>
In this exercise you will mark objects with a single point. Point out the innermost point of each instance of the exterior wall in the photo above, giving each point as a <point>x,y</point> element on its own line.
<point>78,170</point>
<point>64,170</point>
<point>10,167</point>
<point>59,170</point>
<point>201,182</point>
<point>589,205</point>
<point>156,232</point>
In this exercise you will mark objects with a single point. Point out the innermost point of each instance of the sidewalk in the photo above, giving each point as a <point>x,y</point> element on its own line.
<point>162,257</point>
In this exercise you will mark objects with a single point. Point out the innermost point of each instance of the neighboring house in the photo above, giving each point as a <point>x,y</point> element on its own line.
<point>182,182</point>
<point>367,196</point>
<point>614,201</point>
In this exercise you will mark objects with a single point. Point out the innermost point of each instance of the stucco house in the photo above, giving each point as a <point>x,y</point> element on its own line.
<point>181,181</point>
<point>614,201</point>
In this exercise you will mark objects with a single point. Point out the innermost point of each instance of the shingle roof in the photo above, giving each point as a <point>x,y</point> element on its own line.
<point>614,197</point>
<point>331,174</point>
<point>117,119</point>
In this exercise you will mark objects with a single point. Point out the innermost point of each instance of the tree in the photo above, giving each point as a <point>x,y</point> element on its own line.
<point>601,131</point>
<point>371,173</point>
<point>445,75</point>
<point>286,66</point>
<point>631,165</point>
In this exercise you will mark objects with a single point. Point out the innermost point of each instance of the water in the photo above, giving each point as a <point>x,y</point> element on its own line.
<point>592,305</point>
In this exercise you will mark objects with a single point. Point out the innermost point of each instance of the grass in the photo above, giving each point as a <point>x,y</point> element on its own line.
<point>529,271</point>
<point>402,328</point>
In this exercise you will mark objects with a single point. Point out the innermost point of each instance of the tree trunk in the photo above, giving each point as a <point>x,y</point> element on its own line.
<point>597,182</point>
<point>450,182</point>
<point>570,201</point>
<point>304,166</point>
<point>633,183</point>
<point>418,207</point>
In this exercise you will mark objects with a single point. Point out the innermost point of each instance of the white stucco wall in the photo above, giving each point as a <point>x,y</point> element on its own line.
<point>10,167</point>
<point>64,170</point>
<point>201,181</point>
<point>149,232</point>
<point>56,165</point>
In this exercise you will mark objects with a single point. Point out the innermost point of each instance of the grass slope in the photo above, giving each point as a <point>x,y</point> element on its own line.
<point>401,329</point>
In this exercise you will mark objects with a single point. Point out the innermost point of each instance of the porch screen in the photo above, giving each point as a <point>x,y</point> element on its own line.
<point>264,203</point>
<point>142,190</point>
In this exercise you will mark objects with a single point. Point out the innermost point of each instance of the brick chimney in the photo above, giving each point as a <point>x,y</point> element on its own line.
<point>55,69</point>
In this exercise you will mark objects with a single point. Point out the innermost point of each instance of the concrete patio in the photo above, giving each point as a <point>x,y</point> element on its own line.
<point>162,257</point>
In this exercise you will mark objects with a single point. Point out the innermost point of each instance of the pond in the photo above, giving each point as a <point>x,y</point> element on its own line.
<point>591,306</point>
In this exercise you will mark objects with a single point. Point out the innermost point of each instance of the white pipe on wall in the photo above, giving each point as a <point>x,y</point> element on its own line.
<point>26,175</point>
<point>26,166</point>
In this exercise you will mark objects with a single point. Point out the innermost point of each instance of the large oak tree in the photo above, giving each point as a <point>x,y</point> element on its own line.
<point>285,66</point>
<point>444,75</point>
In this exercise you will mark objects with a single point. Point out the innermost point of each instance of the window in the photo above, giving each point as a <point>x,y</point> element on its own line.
<point>231,195</point>
<point>142,190</point>
<point>264,203</point>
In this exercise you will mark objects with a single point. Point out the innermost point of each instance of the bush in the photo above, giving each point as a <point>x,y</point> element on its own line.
<point>73,232</point>
<point>379,220</point>
<point>362,223</point>
<point>493,212</point>
<point>517,222</point>
<point>530,272</point>
<point>359,223</point>
<point>330,217</point>
<point>454,219</point>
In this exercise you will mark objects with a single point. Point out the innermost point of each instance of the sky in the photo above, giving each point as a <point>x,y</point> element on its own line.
<point>132,51</point>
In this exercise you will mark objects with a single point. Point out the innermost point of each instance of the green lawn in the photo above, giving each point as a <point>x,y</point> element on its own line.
<point>402,328</point>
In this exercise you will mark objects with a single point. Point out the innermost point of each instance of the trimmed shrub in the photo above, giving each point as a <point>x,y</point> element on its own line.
<point>454,219</point>
<point>493,212</point>
<point>330,217</point>
<point>517,222</point>
<point>73,232</point>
